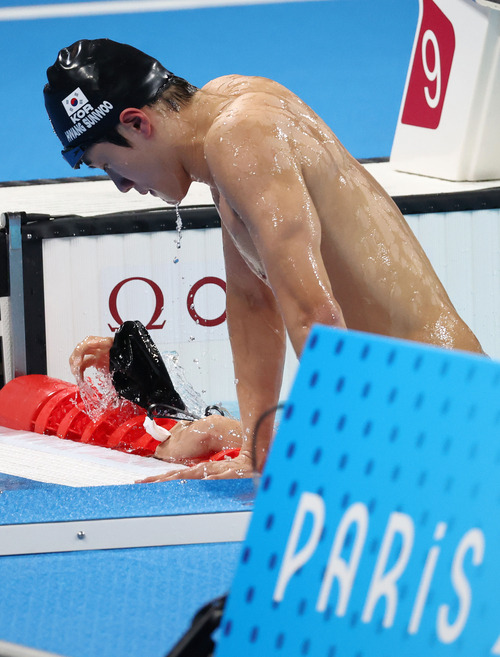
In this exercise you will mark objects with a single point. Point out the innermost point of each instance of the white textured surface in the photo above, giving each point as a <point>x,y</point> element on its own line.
<point>88,198</point>
<point>54,460</point>
<point>410,184</point>
<point>6,335</point>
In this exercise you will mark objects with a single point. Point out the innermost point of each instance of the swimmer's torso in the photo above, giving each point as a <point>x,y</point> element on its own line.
<point>377,270</point>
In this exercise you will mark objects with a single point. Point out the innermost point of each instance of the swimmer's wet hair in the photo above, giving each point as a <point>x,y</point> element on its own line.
<point>175,94</point>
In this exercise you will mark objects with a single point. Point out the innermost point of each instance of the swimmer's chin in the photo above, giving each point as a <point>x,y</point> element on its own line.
<point>152,192</point>
<point>167,199</point>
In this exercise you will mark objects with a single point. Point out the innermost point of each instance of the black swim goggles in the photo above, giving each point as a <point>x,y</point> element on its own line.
<point>74,154</point>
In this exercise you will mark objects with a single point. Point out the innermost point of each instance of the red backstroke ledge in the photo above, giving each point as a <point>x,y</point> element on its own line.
<point>49,406</point>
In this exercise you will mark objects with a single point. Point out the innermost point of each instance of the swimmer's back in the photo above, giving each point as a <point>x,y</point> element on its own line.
<point>378,271</point>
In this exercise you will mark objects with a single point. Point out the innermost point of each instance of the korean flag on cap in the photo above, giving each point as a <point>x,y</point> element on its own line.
<point>74,101</point>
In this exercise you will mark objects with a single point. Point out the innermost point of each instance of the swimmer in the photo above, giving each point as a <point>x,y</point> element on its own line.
<point>309,236</point>
<point>189,441</point>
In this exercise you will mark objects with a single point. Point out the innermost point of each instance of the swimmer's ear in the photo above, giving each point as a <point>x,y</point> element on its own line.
<point>136,120</point>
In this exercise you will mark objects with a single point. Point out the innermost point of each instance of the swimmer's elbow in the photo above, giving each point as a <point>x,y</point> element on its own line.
<point>301,324</point>
<point>328,314</point>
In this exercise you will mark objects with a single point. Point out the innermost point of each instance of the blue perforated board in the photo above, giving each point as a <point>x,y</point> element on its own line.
<point>376,530</point>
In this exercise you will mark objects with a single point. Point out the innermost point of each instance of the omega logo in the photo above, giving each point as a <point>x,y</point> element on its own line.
<point>207,280</point>
<point>154,323</point>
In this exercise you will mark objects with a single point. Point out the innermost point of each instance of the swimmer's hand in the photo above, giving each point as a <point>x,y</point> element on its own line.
<point>237,468</point>
<point>91,352</point>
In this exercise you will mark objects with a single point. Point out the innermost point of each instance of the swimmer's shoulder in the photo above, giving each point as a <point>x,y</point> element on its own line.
<point>251,103</point>
<point>254,106</point>
<point>237,86</point>
<point>243,120</point>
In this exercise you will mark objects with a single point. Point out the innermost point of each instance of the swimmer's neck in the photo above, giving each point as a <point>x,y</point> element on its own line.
<point>195,121</point>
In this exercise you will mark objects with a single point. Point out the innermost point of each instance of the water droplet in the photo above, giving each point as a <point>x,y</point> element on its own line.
<point>178,225</point>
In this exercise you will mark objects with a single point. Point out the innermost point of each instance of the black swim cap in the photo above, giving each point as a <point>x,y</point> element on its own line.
<point>89,85</point>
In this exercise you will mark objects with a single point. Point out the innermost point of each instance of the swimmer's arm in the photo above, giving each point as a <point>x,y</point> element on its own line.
<point>258,344</point>
<point>257,335</point>
<point>277,209</point>
<point>201,438</point>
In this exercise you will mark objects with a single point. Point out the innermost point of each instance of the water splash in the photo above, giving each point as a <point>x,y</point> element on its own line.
<point>98,393</point>
<point>193,400</point>
<point>99,396</point>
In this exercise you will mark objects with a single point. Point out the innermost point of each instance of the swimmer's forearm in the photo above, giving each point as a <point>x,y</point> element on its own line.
<point>257,335</point>
<point>257,420</point>
<point>258,345</point>
<point>200,438</point>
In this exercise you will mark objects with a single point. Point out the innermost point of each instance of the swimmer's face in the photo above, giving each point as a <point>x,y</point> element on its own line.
<point>142,166</point>
<point>129,170</point>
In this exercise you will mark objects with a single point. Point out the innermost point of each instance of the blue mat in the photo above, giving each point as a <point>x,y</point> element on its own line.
<point>109,603</point>
<point>346,58</point>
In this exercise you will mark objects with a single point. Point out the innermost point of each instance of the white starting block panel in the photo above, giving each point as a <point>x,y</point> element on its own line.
<point>448,124</point>
<point>375,530</point>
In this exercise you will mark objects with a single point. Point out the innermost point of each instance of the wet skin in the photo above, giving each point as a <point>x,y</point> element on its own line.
<point>309,236</point>
<point>191,441</point>
<point>351,242</point>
